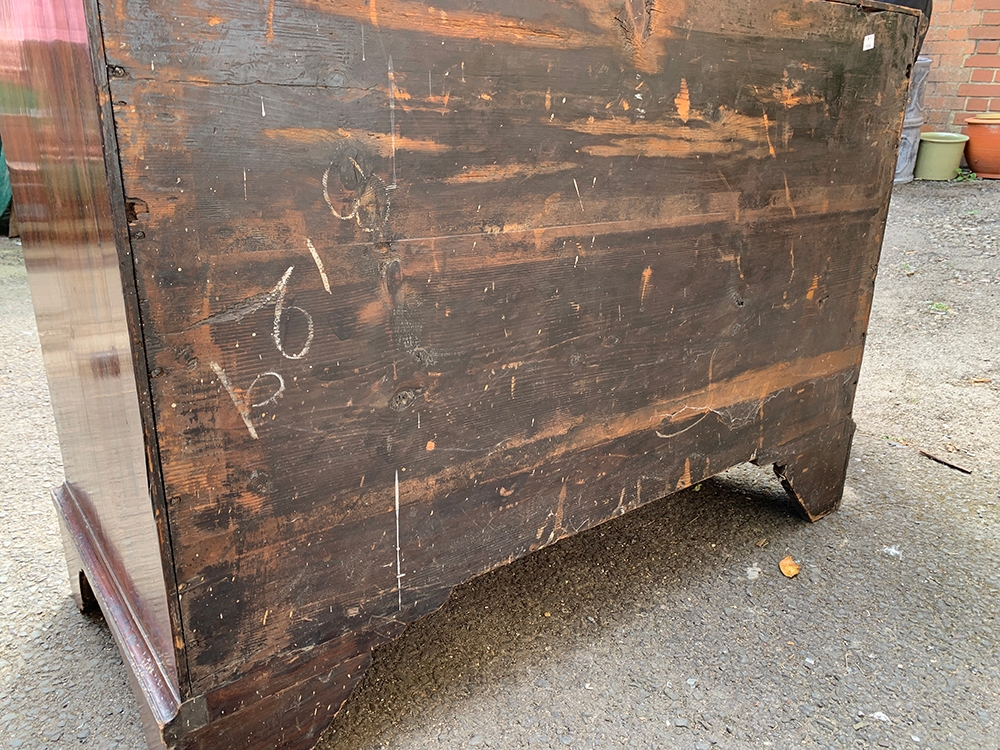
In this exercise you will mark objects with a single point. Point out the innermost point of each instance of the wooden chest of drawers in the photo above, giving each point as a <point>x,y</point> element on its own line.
<point>345,303</point>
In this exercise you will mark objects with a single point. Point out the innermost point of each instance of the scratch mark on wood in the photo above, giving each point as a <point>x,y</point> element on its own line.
<point>513,380</point>
<point>392,112</point>
<point>242,309</point>
<point>683,102</point>
<point>812,288</point>
<point>767,134</point>
<point>266,613</point>
<point>577,188</point>
<point>788,195</point>
<point>685,480</point>
<point>262,112</point>
<point>557,525</point>
<point>647,274</point>
<point>269,34</point>
<point>399,572</point>
<point>319,265</point>
<point>791,253</point>
<point>244,184</point>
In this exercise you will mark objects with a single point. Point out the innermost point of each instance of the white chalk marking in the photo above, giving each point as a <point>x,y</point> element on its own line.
<point>262,112</point>
<point>362,44</point>
<point>319,265</point>
<point>273,399</point>
<point>241,408</point>
<point>244,184</point>
<point>679,432</point>
<point>356,205</point>
<point>430,88</point>
<point>326,197</point>
<point>279,310</point>
<point>399,572</point>
<point>578,193</point>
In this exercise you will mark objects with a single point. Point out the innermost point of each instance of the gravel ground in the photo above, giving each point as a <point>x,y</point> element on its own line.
<point>671,627</point>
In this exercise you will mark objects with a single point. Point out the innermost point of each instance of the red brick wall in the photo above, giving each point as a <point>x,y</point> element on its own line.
<point>964,42</point>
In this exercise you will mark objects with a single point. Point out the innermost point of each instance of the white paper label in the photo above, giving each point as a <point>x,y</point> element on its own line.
<point>869,42</point>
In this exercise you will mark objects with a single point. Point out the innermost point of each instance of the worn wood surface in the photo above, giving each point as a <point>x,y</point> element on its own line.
<point>424,289</point>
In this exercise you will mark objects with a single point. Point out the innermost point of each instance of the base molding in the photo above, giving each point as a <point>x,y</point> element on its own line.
<point>92,574</point>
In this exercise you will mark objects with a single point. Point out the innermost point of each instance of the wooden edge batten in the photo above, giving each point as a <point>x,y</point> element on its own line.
<point>876,5</point>
<point>140,366</point>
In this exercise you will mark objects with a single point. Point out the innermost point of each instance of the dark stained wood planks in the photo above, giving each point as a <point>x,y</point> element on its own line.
<point>423,289</point>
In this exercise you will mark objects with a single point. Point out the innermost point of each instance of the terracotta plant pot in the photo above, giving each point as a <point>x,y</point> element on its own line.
<point>983,149</point>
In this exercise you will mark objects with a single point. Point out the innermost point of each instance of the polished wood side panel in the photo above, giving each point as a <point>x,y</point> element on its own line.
<point>55,150</point>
